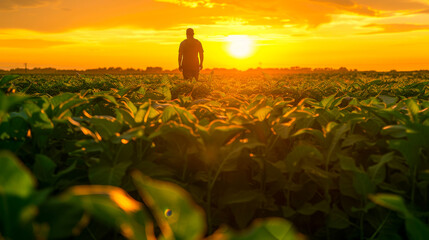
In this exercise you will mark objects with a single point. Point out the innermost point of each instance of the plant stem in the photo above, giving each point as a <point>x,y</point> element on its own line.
<point>328,233</point>
<point>185,168</point>
<point>379,227</point>
<point>209,212</point>
<point>91,234</point>
<point>413,189</point>
<point>209,193</point>
<point>361,226</point>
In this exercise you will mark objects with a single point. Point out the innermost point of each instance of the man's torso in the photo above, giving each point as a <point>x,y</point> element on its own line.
<point>190,48</point>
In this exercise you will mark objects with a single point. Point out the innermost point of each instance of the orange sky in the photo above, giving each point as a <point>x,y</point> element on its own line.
<point>362,34</point>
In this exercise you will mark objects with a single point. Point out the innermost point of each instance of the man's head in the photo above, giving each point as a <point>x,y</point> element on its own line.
<point>189,33</point>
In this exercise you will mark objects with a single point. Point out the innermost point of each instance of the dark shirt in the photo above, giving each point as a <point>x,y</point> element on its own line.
<point>190,48</point>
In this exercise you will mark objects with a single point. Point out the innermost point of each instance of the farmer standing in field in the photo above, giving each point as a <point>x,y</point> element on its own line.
<point>188,56</point>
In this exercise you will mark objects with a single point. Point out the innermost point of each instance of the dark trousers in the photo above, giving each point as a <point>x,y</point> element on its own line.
<point>190,73</point>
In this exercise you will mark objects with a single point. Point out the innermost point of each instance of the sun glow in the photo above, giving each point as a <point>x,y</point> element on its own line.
<point>240,46</point>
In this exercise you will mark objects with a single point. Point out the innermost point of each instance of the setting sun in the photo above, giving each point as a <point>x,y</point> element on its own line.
<point>240,46</point>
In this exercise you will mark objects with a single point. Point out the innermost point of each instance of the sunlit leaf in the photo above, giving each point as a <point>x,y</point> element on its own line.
<point>186,221</point>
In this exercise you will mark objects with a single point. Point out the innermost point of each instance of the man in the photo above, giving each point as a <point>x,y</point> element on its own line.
<point>189,50</point>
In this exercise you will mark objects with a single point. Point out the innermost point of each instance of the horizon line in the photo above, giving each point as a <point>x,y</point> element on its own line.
<point>161,69</point>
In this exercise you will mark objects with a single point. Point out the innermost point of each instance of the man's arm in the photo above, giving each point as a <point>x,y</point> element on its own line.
<point>180,57</point>
<point>201,52</point>
<point>180,60</point>
<point>201,59</point>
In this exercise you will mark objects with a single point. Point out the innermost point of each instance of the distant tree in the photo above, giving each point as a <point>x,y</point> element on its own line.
<point>153,69</point>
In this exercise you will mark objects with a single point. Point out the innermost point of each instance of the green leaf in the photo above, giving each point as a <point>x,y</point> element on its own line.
<point>242,196</point>
<point>85,131</point>
<point>124,91</point>
<point>353,139</point>
<point>413,110</point>
<point>141,90</point>
<point>178,136</point>
<point>7,102</point>
<point>145,113</point>
<point>262,113</point>
<point>327,102</point>
<point>377,172</point>
<point>7,78</point>
<point>65,107</point>
<point>174,210</point>
<point>169,113</point>
<point>61,99</point>
<point>106,126</point>
<point>15,179</point>
<point>391,201</point>
<point>363,184</point>
<point>299,153</point>
<point>335,132</point>
<point>416,229</point>
<point>126,115</point>
<point>235,150</point>
<point>345,183</point>
<point>361,181</point>
<point>267,229</point>
<point>314,132</point>
<point>396,131</point>
<point>16,215</point>
<point>113,207</point>
<point>424,175</point>
<point>13,131</point>
<point>132,134</point>
<point>408,149</point>
<point>41,125</point>
<point>41,121</point>
<point>165,91</point>
<point>388,100</point>
<point>105,173</point>
<point>44,168</point>
<point>244,212</point>
<point>338,219</point>
<point>221,134</point>
<point>178,114</point>
<point>154,170</point>
<point>284,129</point>
<point>106,98</point>
<point>310,209</point>
<point>348,164</point>
<point>64,226</point>
<point>16,190</point>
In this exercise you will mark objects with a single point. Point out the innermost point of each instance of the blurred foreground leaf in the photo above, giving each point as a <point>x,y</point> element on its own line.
<point>174,210</point>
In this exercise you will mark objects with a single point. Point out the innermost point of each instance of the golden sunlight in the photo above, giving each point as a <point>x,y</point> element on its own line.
<point>240,46</point>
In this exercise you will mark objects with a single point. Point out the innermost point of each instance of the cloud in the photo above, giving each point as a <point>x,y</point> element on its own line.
<point>30,43</point>
<point>13,4</point>
<point>191,3</point>
<point>393,5</point>
<point>396,28</point>
<point>339,2</point>
<point>424,11</point>
<point>350,6</point>
<point>77,14</point>
<point>296,12</point>
<point>310,13</point>
<point>381,5</point>
<point>173,14</point>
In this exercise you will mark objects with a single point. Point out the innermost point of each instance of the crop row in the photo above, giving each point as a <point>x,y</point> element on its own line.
<point>341,166</point>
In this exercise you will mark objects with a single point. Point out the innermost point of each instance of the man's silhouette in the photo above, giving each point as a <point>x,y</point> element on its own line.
<point>188,56</point>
